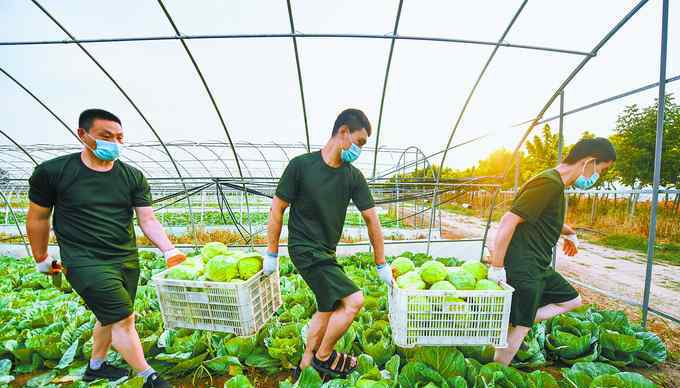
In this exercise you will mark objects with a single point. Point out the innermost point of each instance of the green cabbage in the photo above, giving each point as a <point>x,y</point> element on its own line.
<point>572,340</point>
<point>182,272</point>
<point>462,280</point>
<point>411,281</point>
<point>477,269</point>
<point>222,268</point>
<point>249,264</point>
<point>196,263</point>
<point>376,341</point>
<point>433,271</point>
<point>486,284</point>
<point>213,249</point>
<point>443,285</point>
<point>402,265</point>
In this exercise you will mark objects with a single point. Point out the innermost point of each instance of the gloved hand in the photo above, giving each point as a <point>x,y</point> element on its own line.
<point>174,257</point>
<point>48,265</point>
<point>270,263</point>
<point>571,244</point>
<point>385,274</point>
<point>497,274</point>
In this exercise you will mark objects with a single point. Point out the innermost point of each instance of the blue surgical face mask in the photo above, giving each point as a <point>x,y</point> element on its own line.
<point>106,150</point>
<point>351,154</point>
<point>584,183</point>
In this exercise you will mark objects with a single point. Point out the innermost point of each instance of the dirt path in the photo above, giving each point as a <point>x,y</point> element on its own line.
<point>618,272</point>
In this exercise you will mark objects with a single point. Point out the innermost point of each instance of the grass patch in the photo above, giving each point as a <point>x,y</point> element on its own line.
<point>663,251</point>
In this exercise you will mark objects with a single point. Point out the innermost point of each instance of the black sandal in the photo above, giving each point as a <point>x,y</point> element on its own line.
<point>296,373</point>
<point>342,368</point>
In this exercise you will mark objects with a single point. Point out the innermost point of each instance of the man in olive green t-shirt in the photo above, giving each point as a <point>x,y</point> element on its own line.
<point>93,196</point>
<point>318,187</point>
<point>527,234</point>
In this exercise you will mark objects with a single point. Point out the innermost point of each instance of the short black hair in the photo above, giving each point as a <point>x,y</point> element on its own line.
<point>90,115</point>
<point>354,119</point>
<point>599,148</point>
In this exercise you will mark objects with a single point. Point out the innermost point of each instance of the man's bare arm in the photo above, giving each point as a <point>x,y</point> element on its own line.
<point>375,234</point>
<point>506,229</point>
<point>38,228</point>
<point>153,229</point>
<point>275,224</point>
<point>566,229</point>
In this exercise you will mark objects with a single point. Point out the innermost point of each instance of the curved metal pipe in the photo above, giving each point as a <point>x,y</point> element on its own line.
<point>384,89</point>
<point>132,103</point>
<point>299,35</point>
<point>462,112</point>
<point>299,71</point>
<point>226,166</point>
<point>17,144</point>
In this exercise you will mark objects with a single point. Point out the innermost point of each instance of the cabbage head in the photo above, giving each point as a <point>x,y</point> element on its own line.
<point>402,265</point>
<point>213,249</point>
<point>462,280</point>
<point>433,271</point>
<point>476,268</point>
<point>486,284</point>
<point>411,281</point>
<point>222,268</point>
<point>196,263</point>
<point>249,264</point>
<point>182,272</point>
<point>442,286</point>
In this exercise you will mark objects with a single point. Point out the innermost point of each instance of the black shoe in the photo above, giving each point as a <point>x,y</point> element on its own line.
<point>155,381</point>
<point>106,371</point>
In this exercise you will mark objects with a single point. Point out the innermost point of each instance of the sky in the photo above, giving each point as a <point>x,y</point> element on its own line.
<point>255,80</point>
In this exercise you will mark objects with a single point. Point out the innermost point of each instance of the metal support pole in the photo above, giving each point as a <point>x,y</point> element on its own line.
<point>460,117</point>
<point>657,161</point>
<point>384,90</point>
<point>16,222</point>
<point>560,146</point>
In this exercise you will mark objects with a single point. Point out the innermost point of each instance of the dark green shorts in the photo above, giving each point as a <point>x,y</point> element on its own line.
<point>108,290</point>
<point>327,280</point>
<point>531,294</point>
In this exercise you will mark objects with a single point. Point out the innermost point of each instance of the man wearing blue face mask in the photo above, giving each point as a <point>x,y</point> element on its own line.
<point>93,196</point>
<point>528,232</point>
<point>318,187</point>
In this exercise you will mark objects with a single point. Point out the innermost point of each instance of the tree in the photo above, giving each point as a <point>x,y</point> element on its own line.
<point>541,152</point>
<point>495,165</point>
<point>635,138</point>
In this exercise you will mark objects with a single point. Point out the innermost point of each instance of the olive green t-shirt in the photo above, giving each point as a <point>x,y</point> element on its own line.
<point>92,210</point>
<point>540,202</point>
<point>319,195</point>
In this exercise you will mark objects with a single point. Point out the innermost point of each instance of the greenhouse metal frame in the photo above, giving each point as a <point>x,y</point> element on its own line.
<point>18,159</point>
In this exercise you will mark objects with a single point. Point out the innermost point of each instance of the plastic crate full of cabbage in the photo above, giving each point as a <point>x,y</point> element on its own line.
<point>220,290</point>
<point>435,305</point>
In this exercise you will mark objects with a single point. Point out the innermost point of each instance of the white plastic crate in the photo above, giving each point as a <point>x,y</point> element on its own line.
<point>437,318</point>
<point>239,308</point>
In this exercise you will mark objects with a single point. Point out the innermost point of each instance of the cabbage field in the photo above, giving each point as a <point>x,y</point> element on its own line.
<point>46,334</point>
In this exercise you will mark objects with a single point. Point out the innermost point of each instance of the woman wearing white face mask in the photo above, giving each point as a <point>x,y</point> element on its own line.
<point>529,231</point>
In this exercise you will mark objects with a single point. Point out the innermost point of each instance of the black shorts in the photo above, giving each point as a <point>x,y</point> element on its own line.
<point>531,294</point>
<point>326,279</point>
<point>108,290</point>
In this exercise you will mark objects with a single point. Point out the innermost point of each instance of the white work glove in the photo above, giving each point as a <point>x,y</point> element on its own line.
<point>270,263</point>
<point>174,257</point>
<point>48,265</point>
<point>385,274</point>
<point>497,274</point>
<point>571,244</point>
<point>573,238</point>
